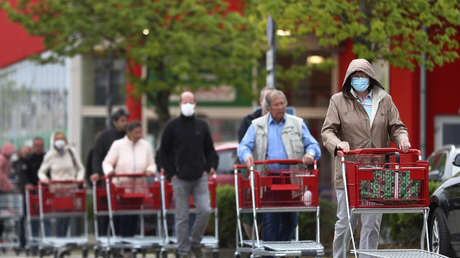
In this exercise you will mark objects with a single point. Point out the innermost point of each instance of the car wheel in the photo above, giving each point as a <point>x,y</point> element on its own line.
<point>439,234</point>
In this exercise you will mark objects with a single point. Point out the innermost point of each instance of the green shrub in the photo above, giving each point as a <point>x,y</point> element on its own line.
<point>307,223</point>
<point>227,215</point>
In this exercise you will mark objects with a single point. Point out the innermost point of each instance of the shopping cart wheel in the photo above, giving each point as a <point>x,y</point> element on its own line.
<point>215,253</point>
<point>164,254</point>
<point>144,253</point>
<point>96,252</point>
<point>134,253</point>
<point>84,252</point>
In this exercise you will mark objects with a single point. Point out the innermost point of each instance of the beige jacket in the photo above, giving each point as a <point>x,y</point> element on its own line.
<point>61,167</point>
<point>346,119</point>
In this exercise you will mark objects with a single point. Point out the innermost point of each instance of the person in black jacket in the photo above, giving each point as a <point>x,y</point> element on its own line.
<point>187,156</point>
<point>104,141</point>
<point>258,112</point>
<point>99,151</point>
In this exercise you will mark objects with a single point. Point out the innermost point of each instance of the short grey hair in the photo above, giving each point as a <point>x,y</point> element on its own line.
<point>267,102</point>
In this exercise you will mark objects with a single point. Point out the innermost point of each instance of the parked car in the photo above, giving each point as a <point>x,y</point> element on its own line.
<point>441,163</point>
<point>444,217</point>
<point>227,158</point>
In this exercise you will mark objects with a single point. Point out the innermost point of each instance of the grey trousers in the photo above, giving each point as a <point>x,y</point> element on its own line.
<point>182,191</point>
<point>370,229</point>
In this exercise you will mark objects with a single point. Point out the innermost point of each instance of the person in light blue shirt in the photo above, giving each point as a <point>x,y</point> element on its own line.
<point>278,135</point>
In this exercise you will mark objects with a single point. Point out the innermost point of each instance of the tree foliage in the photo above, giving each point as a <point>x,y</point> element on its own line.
<point>189,44</point>
<point>395,30</point>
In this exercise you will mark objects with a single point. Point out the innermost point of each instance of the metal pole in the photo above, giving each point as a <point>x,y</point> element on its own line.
<point>423,105</point>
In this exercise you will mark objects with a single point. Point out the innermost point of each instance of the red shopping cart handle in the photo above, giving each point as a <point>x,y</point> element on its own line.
<point>273,161</point>
<point>341,153</point>
<point>62,182</point>
<point>127,175</point>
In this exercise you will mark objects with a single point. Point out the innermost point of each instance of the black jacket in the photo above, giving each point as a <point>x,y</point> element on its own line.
<point>187,148</point>
<point>246,122</point>
<point>29,174</point>
<point>102,146</point>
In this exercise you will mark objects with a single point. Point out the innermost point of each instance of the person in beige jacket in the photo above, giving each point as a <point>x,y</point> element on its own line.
<point>61,163</point>
<point>362,115</point>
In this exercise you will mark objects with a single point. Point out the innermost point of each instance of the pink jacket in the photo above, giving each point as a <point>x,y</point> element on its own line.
<point>5,154</point>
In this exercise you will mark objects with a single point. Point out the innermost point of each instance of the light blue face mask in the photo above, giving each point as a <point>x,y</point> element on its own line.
<point>359,84</point>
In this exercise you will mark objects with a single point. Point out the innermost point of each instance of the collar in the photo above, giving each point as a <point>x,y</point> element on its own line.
<point>353,92</point>
<point>271,120</point>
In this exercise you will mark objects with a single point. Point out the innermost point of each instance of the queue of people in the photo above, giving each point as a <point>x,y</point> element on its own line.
<point>362,115</point>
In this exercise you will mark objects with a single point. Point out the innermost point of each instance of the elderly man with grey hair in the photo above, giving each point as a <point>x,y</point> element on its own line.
<point>275,136</point>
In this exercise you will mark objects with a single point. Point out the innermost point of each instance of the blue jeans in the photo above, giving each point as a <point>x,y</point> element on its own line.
<point>279,226</point>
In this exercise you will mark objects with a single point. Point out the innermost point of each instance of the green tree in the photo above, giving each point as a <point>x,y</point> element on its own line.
<point>395,30</point>
<point>189,44</point>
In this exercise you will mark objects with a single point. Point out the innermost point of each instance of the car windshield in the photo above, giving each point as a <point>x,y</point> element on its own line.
<point>227,159</point>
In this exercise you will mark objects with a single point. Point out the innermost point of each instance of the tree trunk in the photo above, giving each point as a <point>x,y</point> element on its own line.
<point>160,100</point>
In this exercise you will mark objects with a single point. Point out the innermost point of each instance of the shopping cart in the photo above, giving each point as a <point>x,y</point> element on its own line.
<point>122,195</point>
<point>32,220</point>
<point>64,203</point>
<point>210,239</point>
<point>11,211</point>
<point>386,180</point>
<point>294,189</point>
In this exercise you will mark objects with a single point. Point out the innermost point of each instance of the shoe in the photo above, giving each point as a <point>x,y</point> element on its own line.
<point>197,252</point>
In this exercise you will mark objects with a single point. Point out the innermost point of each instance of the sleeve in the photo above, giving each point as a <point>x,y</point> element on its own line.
<point>247,144</point>
<point>396,128</point>
<point>166,151</point>
<point>331,127</point>
<point>97,155</point>
<point>310,144</point>
<point>108,165</point>
<point>151,166</point>
<point>45,166</point>
<point>212,159</point>
<point>244,125</point>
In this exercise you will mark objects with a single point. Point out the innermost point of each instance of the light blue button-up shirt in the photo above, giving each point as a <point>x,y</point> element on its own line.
<point>366,102</point>
<point>275,146</point>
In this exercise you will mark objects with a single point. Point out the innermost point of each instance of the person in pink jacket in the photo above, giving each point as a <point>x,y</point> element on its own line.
<point>6,152</point>
<point>5,184</point>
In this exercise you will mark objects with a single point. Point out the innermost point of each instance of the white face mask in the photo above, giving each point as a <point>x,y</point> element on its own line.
<point>59,144</point>
<point>187,109</point>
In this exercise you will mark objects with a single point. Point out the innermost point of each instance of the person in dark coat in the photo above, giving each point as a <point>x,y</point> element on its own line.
<point>104,141</point>
<point>258,112</point>
<point>187,155</point>
<point>99,151</point>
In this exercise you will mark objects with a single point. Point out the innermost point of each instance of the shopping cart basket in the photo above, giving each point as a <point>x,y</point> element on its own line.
<point>64,203</point>
<point>11,211</point>
<point>210,239</point>
<point>127,194</point>
<point>294,189</point>
<point>386,180</point>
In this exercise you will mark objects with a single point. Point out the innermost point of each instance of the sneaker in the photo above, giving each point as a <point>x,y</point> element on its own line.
<point>197,252</point>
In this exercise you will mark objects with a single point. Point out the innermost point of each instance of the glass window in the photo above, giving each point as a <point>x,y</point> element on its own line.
<point>95,78</point>
<point>437,162</point>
